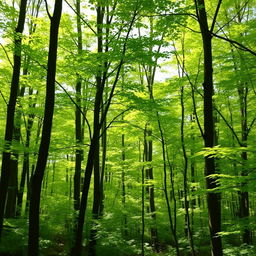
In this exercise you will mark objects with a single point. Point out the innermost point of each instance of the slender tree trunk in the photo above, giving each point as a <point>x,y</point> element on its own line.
<point>36,183</point>
<point>78,121</point>
<point>192,168</point>
<point>142,201</point>
<point>76,250</point>
<point>25,168</point>
<point>30,175</point>
<point>150,187</point>
<point>244,207</point>
<point>124,226</point>
<point>213,199</point>
<point>97,177</point>
<point>185,177</point>
<point>172,220</point>
<point>5,170</point>
<point>10,210</point>
<point>14,192</point>
<point>97,125</point>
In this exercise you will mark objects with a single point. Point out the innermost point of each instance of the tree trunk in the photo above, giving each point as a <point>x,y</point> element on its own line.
<point>78,121</point>
<point>36,182</point>
<point>213,199</point>
<point>188,230</point>
<point>12,192</point>
<point>100,83</point>
<point>148,144</point>
<point>25,168</point>
<point>97,125</point>
<point>5,170</point>
<point>244,208</point>
<point>142,201</point>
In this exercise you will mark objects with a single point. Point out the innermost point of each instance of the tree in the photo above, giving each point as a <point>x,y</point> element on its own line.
<point>9,127</point>
<point>36,183</point>
<point>213,198</point>
<point>78,121</point>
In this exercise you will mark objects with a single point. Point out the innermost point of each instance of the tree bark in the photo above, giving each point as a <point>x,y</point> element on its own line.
<point>36,183</point>
<point>5,170</point>
<point>213,199</point>
<point>25,168</point>
<point>188,230</point>
<point>244,208</point>
<point>97,125</point>
<point>78,121</point>
<point>100,83</point>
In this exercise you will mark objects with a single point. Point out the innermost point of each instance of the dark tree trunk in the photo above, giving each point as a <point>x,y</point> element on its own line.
<point>5,170</point>
<point>150,187</point>
<point>97,125</point>
<point>213,199</point>
<point>12,192</point>
<point>30,175</point>
<point>172,220</point>
<point>100,83</point>
<point>10,209</point>
<point>124,226</point>
<point>25,168</point>
<point>142,201</point>
<point>76,250</point>
<point>78,121</point>
<point>36,182</point>
<point>244,207</point>
<point>188,230</point>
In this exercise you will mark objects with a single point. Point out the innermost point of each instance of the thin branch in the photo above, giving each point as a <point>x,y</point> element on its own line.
<point>7,56</point>
<point>235,44</point>
<point>229,126</point>
<point>78,107</point>
<point>139,128</point>
<point>173,14</point>
<point>104,114</point>
<point>80,110</point>
<point>113,120</point>
<point>227,23</point>
<point>251,125</point>
<point>87,24</point>
<point>3,98</point>
<point>47,9</point>
<point>193,88</point>
<point>197,11</point>
<point>215,16</point>
<point>113,9</point>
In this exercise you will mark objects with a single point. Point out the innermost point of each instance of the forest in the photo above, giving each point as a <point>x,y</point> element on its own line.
<point>127,127</point>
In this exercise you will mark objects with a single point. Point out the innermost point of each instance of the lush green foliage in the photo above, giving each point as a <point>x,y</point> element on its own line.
<point>163,54</point>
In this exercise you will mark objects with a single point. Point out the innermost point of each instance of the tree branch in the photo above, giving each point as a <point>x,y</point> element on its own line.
<point>78,107</point>
<point>47,9</point>
<point>113,120</point>
<point>251,125</point>
<point>215,15</point>
<point>3,98</point>
<point>87,24</point>
<point>229,126</point>
<point>6,54</point>
<point>235,44</point>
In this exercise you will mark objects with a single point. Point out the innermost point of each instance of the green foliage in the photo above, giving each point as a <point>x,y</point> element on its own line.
<point>164,36</point>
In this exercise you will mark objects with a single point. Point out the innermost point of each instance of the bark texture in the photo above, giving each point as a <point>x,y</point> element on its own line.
<point>37,178</point>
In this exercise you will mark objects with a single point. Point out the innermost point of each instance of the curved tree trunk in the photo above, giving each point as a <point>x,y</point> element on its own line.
<point>5,171</point>
<point>36,182</point>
